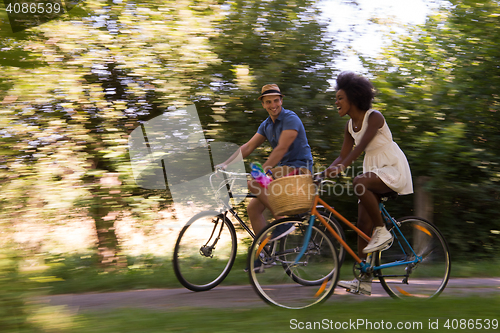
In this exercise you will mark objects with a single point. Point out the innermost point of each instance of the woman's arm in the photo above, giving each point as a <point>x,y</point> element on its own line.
<point>337,165</point>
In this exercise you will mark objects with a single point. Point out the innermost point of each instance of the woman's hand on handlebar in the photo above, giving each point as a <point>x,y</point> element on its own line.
<point>334,171</point>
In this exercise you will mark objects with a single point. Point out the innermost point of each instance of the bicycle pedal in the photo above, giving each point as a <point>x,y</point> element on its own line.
<point>363,288</point>
<point>352,291</point>
<point>359,292</point>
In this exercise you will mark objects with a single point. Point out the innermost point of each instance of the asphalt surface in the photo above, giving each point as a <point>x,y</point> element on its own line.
<point>235,296</point>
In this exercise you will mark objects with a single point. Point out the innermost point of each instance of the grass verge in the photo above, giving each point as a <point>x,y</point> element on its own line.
<point>372,315</point>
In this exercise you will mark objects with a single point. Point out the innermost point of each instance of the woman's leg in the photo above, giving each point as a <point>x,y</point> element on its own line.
<point>365,224</point>
<point>366,187</point>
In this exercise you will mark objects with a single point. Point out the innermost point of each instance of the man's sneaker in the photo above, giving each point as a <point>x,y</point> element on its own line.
<point>281,231</point>
<point>258,267</point>
<point>380,239</point>
<point>357,287</point>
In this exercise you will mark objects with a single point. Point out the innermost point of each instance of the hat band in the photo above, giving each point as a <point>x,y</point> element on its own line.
<point>270,91</point>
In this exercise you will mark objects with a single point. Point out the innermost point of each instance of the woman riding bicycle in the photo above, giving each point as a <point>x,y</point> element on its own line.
<point>385,167</point>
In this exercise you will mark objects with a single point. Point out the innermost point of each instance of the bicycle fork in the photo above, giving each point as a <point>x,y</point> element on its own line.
<point>206,250</point>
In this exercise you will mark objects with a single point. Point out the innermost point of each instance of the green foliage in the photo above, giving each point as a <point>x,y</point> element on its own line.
<point>82,273</point>
<point>438,88</point>
<point>85,82</point>
<point>282,42</point>
<point>13,292</point>
<point>73,89</point>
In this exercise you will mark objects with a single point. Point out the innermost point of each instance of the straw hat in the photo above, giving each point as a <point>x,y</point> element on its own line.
<point>270,90</point>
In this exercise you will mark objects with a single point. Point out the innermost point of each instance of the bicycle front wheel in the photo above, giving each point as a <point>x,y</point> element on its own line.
<point>205,251</point>
<point>330,219</point>
<point>425,278</point>
<point>282,277</point>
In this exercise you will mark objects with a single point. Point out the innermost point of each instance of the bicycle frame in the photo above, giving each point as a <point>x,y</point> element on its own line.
<point>225,207</point>
<point>240,221</point>
<point>315,213</point>
<point>392,224</point>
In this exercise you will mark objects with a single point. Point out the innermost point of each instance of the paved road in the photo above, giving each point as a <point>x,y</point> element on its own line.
<point>235,296</point>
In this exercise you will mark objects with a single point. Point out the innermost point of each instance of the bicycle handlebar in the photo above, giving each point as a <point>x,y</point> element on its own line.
<point>233,174</point>
<point>227,183</point>
<point>231,177</point>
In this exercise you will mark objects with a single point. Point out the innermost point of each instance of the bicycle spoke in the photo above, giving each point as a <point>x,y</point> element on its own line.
<point>288,283</point>
<point>205,251</point>
<point>425,278</point>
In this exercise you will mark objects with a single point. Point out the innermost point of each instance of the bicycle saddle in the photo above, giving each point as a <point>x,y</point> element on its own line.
<point>388,196</point>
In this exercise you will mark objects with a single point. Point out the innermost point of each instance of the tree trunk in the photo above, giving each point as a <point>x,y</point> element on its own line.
<point>424,206</point>
<point>107,246</point>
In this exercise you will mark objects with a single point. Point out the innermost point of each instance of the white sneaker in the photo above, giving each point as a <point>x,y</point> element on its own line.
<point>381,238</point>
<point>357,287</point>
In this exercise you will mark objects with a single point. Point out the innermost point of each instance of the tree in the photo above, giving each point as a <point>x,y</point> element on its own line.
<point>439,85</point>
<point>283,42</point>
<point>88,79</point>
<point>66,119</point>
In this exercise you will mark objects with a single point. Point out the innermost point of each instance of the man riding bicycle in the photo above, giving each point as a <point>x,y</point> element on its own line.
<point>286,134</point>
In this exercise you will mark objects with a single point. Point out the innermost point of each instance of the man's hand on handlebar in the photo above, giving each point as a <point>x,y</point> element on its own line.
<point>221,167</point>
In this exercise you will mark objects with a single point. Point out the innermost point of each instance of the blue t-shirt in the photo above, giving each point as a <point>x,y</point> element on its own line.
<point>299,153</point>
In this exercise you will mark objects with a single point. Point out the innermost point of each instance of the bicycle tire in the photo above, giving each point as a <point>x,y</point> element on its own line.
<point>316,238</point>
<point>424,279</point>
<point>276,282</point>
<point>199,263</point>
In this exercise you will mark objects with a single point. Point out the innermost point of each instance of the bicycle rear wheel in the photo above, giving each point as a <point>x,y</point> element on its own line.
<point>205,251</point>
<point>424,279</point>
<point>281,281</point>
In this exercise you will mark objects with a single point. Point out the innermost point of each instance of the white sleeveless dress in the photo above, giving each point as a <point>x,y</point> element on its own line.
<point>384,157</point>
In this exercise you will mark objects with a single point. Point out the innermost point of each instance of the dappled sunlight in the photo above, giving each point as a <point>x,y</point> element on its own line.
<point>72,90</point>
<point>66,235</point>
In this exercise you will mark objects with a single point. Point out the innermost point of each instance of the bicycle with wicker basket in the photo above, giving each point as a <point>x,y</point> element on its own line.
<point>302,269</point>
<point>206,247</point>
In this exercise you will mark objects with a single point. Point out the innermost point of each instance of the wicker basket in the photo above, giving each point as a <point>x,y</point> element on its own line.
<point>291,195</point>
